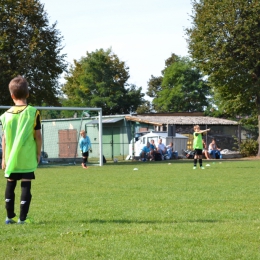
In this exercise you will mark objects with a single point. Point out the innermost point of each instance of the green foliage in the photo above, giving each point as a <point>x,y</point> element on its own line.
<point>100,80</point>
<point>30,47</point>
<point>224,42</point>
<point>154,86</point>
<point>249,147</point>
<point>160,211</point>
<point>50,114</point>
<point>250,126</point>
<point>213,112</point>
<point>155,83</point>
<point>181,88</point>
<point>144,108</point>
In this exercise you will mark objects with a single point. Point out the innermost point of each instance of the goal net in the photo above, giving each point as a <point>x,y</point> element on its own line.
<point>61,128</point>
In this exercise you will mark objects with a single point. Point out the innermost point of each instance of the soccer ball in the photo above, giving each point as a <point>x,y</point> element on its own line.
<point>115,160</point>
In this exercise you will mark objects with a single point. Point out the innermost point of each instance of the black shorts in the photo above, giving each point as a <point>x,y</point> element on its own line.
<point>198,151</point>
<point>19,176</point>
<point>85,154</point>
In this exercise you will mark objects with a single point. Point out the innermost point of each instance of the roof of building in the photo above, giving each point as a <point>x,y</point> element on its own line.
<point>106,120</point>
<point>159,119</point>
<point>180,120</point>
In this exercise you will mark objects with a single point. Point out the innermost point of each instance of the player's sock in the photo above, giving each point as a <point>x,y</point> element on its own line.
<point>10,198</point>
<point>26,197</point>
<point>195,162</point>
<point>200,162</point>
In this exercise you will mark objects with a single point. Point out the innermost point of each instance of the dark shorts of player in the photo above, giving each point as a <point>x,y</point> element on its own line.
<point>85,154</point>
<point>19,176</point>
<point>198,151</point>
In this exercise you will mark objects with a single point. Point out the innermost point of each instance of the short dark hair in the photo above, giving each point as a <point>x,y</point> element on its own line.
<point>18,86</point>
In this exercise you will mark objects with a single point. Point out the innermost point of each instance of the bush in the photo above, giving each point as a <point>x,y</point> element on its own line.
<point>249,147</point>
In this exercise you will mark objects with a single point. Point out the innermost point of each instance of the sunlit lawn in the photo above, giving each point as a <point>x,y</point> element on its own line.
<point>160,211</point>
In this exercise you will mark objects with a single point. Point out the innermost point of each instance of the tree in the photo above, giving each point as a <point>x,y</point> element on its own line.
<point>100,80</point>
<point>155,83</point>
<point>224,42</point>
<point>144,108</point>
<point>182,87</point>
<point>31,48</point>
<point>154,86</point>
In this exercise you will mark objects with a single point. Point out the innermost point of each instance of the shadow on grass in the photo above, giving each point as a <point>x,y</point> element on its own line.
<point>127,221</point>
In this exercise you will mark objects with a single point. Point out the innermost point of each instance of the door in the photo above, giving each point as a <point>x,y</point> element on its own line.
<point>111,142</point>
<point>68,143</point>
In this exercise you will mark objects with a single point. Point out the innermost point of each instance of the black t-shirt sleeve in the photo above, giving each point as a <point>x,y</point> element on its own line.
<point>38,123</point>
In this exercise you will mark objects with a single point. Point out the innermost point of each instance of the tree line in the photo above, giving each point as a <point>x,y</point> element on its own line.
<point>30,46</point>
<point>220,76</point>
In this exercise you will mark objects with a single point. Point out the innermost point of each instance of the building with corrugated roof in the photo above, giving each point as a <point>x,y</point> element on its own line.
<point>223,130</point>
<point>60,136</point>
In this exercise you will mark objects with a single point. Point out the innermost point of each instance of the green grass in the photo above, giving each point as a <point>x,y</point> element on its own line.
<point>160,211</point>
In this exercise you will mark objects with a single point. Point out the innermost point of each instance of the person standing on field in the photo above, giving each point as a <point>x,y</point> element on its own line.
<point>85,147</point>
<point>198,145</point>
<point>21,148</point>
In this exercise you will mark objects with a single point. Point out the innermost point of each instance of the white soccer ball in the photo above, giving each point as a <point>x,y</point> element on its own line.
<point>115,160</point>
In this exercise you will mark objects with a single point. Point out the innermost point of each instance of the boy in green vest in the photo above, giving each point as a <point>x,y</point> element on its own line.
<point>21,145</point>
<point>198,145</point>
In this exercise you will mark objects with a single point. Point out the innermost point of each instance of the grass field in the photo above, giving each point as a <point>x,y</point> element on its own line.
<point>160,211</point>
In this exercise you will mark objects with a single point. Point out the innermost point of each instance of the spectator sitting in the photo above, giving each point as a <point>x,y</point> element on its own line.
<point>214,150</point>
<point>205,151</point>
<point>162,148</point>
<point>169,148</point>
<point>145,152</point>
<point>171,153</point>
<point>152,149</point>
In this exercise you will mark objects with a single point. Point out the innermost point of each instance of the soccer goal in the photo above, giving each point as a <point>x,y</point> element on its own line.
<point>61,128</point>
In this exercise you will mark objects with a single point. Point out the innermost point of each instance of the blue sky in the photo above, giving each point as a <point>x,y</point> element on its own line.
<point>142,33</point>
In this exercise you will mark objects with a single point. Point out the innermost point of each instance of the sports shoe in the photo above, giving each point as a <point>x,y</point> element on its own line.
<point>202,168</point>
<point>27,221</point>
<point>11,220</point>
<point>194,167</point>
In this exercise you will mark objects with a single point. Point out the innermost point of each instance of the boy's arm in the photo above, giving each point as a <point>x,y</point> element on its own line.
<point>38,139</point>
<point>3,152</point>
<point>203,131</point>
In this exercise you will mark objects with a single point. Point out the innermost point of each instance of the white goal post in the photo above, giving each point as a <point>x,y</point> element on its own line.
<point>99,110</point>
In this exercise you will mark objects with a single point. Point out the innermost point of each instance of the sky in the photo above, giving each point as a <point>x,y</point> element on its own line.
<point>142,33</point>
